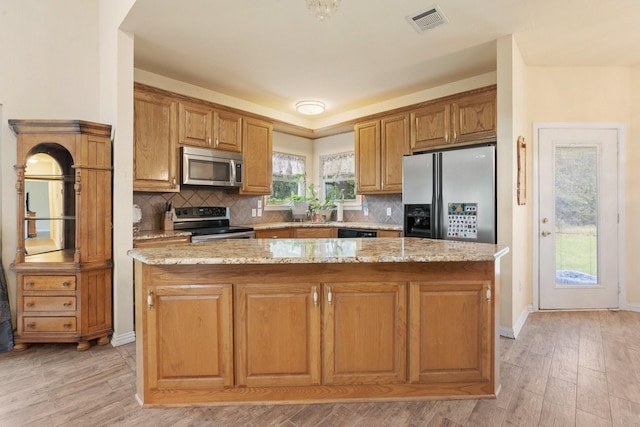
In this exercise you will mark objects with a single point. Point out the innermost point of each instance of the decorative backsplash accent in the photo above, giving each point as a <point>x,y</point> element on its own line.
<point>153,204</point>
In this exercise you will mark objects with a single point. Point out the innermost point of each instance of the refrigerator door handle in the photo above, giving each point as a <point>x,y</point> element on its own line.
<point>437,230</point>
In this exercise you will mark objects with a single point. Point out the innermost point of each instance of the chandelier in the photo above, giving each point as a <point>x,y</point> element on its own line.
<point>323,9</point>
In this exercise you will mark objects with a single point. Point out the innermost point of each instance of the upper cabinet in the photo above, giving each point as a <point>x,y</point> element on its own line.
<point>257,143</point>
<point>466,118</point>
<point>202,126</point>
<point>155,152</point>
<point>379,147</point>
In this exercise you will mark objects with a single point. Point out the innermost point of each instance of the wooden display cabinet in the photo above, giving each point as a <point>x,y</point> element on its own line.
<point>65,276</point>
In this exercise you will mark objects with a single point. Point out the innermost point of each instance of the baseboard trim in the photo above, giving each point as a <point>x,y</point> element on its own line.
<point>118,340</point>
<point>633,307</point>
<point>517,328</point>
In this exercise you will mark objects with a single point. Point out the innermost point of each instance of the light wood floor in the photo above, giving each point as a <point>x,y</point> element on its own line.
<point>565,369</point>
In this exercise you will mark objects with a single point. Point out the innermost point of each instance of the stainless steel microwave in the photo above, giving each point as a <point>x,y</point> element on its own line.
<point>213,168</point>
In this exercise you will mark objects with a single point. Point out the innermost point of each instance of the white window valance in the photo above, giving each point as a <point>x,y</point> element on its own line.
<point>338,166</point>
<point>287,164</point>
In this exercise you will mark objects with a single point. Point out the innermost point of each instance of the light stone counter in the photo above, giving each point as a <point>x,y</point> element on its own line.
<point>330,224</point>
<point>319,251</point>
<point>159,234</point>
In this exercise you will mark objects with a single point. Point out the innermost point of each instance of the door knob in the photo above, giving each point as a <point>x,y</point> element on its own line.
<point>545,233</point>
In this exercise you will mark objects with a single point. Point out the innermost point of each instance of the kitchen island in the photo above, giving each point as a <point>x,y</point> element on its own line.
<point>316,320</point>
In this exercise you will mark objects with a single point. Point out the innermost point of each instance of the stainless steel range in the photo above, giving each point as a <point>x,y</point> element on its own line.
<point>209,223</point>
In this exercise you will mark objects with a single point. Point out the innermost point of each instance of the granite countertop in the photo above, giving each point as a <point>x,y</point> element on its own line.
<point>319,251</point>
<point>330,224</point>
<point>159,234</point>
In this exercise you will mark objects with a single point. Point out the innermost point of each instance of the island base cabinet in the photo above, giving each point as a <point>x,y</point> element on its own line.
<point>277,334</point>
<point>450,331</point>
<point>189,337</point>
<point>364,333</point>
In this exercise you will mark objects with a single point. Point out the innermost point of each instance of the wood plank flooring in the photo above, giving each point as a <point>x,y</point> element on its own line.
<point>565,369</point>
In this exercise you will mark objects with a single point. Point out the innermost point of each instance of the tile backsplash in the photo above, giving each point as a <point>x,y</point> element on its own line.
<point>152,206</point>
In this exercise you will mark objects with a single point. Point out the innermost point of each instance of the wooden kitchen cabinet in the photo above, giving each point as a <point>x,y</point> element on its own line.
<point>465,118</point>
<point>315,232</point>
<point>450,331</point>
<point>155,150</point>
<point>274,233</point>
<point>64,281</point>
<point>364,333</point>
<point>277,334</point>
<point>190,336</point>
<point>202,126</point>
<point>379,147</point>
<point>389,233</point>
<point>257,143</point>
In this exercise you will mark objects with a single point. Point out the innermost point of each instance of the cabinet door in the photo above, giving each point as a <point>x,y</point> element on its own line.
<point>257,140</point>
<point>274,233</point>
<point>389,233</point>
<point>315,232</point>
<point>155,152</point>
<point>195,124</point>
<point>367,153</point>
<point>450,331</point>
<point>189,332</point>
<point>277,334</point>
<point>430,127</point>
<point>395,144</point>
<point>474,118</point>
<point>364,333</point>
<point>227,131</point>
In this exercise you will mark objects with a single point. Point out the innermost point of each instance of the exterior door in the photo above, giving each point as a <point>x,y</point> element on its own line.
<point>578,218</point>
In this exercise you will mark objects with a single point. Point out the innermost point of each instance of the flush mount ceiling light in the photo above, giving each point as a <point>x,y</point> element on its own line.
<point>323,9</point>
<point>310,107</point>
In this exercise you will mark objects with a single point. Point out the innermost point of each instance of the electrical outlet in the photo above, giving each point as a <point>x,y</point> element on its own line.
<point>259,211</point>
<point>388,211</point>
<point>253,212</point>
<point>259,204</point>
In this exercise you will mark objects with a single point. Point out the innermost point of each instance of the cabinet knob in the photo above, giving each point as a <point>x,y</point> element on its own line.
<point>67,326</point>
<point>173,180</point>
<point>30,304</point>
<point>30,325</point>
<point>67,304</point>
<point>29,284</point>
<point>66,284</point>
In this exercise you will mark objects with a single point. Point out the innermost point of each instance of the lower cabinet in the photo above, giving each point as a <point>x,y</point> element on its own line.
<point>190,337</point>
<point>315,232</point>
<point>364,333</point>
<point>277,334</point>
<point>278,338</point>
<point>450,331</point>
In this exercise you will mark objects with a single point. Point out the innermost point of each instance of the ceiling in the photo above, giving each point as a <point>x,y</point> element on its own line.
<point>274,53</point>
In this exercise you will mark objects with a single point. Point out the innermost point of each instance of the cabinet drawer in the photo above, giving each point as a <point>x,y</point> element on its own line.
<point>49,304</point>
<point>49,283</point>
<point>49,324</point>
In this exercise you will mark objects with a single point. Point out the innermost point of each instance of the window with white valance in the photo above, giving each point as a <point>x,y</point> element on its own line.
<point>338,173</point>
<point>288,172</point>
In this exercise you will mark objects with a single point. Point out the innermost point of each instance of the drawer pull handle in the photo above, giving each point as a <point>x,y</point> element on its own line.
<point>29,285</point>
<point>329,295</point>
<point>30,304</point>
<point>67,304</point>
<point>315,296</point>
<point>67,325</point>
<point>150,300</point>
<point>31,325</point>
<point>66,284</point>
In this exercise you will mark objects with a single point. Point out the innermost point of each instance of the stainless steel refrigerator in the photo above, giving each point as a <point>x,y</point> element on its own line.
<point>451,194</point>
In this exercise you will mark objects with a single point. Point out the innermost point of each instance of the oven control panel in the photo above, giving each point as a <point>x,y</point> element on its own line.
<point>202,212</point>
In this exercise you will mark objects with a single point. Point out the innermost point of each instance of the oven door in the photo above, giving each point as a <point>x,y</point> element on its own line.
<point>221,236</point>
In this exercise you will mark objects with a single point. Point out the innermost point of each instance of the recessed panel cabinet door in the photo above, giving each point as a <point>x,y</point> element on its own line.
<point>190,337</point>
<point>277,334</point>
<point>364,333</point>
<point>450,331</point>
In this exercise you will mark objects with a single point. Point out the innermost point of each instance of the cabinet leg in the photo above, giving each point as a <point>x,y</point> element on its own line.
<point>83,346</point>
<point>103,340</point>
<point>20,347</point>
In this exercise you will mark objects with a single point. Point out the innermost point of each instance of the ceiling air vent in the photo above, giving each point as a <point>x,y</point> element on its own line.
<point>426,19</point>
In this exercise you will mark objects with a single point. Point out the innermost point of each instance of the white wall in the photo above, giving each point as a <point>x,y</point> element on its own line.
<point>597,94</point>
<point>50,70</point>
